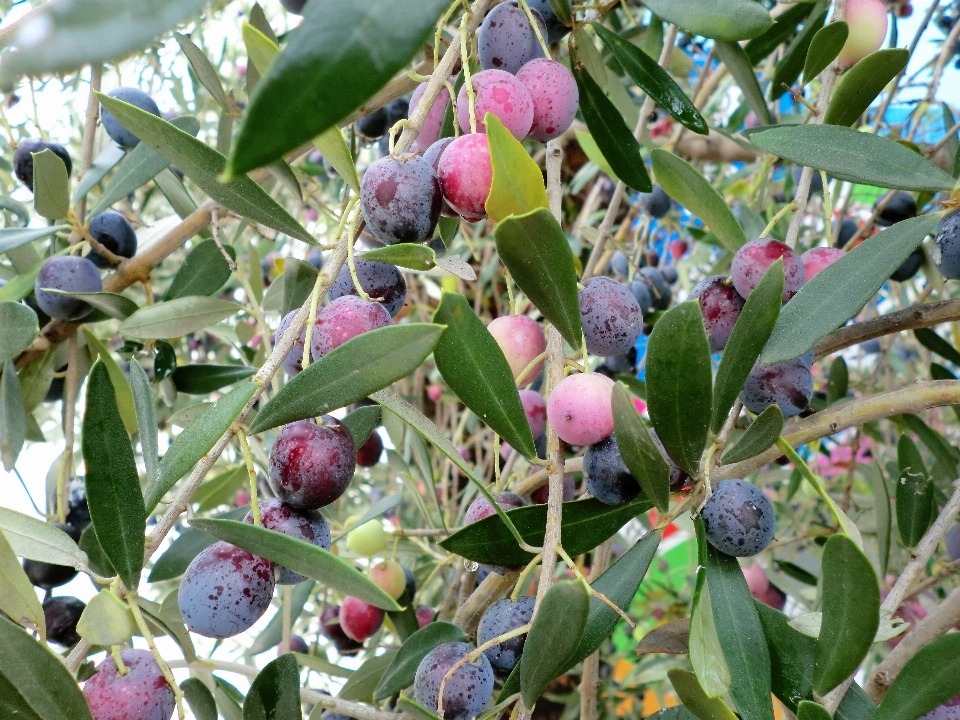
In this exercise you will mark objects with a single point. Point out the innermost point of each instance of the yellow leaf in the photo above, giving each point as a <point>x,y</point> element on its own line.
<point>517,186</point>
<point>260,48</point>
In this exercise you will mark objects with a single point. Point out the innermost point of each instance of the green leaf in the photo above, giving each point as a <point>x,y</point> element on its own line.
<point>207,378</point>
<point>534,249</point>
<point>562,10</point>
<point>65,36</point>
<point>206,73</point>
<point>762,434</point>
<point>400,674</point>
<point>706,654</point>
<point>362,684</point>
<point>936,344</point>
<point>838,380</point>
<point>199,699</point>
<point>610,132</point>
<point>300,556</point>
<point>809,710</point>
<point>110,304</point>
<point>695,699</point>
<point>202,164</point>
<point>12,238</point>
<point>550,644</point>
<point>729,20</point>
<point>351,372</point>
<point>113,485</point>
<point>737,62</point>
<point>840,291</point>
<point>196,441</point>
<point>275,693</point>
<point>362,422</point>
<point>786,25</point>
<point>35,682</point>
<point>929,679</point>
<point>741,636</point>
<point>105,621</point>
<point>916,508</point>
<point>881,513</point>
<point>13,417</point>
<point>862,84</point>
<point>517,186</point>
<point>141,166</point>
<point>584,525</point>
<point>589,146</point>
<point>298,280</point>
<point>653,80</point>
<point>679,384</point>
<point>824,48</point>
<point>20,327</point>
<point>848,154</point>
<point>228,699</point>
<point>935,442</point>
<point>119,381</point>
<point>173,563</point>
<point>272,635</point>
<point>143,402</point>
<point>408,255</point>
<point>794,57</point>
<point>341,54</point>
<point>203,272</point>
<point>641,456</point>
<point>792,654</point>
<point>687,186</point>
<point>851,613</point>
<point>334,149</point>
<point>619,584</point>
<point>21,286</point>
<point>18,599</point>
<point>38,540</point>
<point>51,189</point>
<point>174,318</point>
<point>102,164</point>
<point>474,367</point>
<point>176,194</point>
<point>750,334</point>
<point>221,489</point>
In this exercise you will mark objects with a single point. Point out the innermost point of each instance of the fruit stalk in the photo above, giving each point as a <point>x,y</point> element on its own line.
<point>439,77</point>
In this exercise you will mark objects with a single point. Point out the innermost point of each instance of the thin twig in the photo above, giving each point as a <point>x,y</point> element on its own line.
<point>611,215</point>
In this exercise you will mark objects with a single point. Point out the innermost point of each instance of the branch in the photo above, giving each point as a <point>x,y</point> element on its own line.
<point>938,622</point>
<point>923,551</point>
<point>490,590</point>
<point>913,399</point>
<point>918,316</point>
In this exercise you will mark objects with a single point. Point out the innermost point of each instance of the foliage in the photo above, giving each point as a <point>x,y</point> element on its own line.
<point>260,307</point>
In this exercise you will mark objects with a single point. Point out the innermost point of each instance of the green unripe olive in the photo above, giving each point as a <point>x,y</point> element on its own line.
<point>368,539</point>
